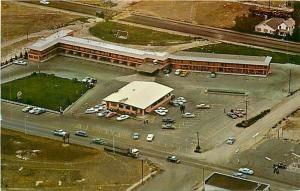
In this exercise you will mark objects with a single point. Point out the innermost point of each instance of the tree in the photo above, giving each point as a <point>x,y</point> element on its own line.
<point>296,34</point>
<point>21,55</point>
<point>6,62</point>
<point>11,59</point>
<point>26,55</point>
<point>16,57</point>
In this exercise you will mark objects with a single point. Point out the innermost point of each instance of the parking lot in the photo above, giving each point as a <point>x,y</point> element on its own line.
<point>213,125</point>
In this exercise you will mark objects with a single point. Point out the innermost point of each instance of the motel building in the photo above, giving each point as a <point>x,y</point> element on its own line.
<point>63,43</point>
<point>139,98</point>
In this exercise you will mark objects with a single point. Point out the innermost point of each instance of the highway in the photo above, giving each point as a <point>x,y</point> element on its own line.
<point>40,130</point>
<point>216,33</point>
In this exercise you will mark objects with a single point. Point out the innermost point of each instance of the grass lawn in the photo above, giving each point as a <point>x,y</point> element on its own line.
<point>224,48</point>
<point>44,90</point>
<point>136,35</point>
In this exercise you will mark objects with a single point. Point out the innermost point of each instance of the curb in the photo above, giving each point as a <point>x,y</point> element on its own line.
<point>22,104</point>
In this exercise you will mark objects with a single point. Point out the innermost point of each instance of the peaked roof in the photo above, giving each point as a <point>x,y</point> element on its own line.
<point>274,22</point>
<point>139,94</point>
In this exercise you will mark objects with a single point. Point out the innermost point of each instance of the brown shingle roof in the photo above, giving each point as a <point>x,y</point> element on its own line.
<point>274,22</point>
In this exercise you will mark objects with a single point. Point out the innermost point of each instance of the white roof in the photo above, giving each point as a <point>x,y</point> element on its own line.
<point>49,41</point>
<point>222,58</point>
<point>62,37</point>
<point>139,94</point>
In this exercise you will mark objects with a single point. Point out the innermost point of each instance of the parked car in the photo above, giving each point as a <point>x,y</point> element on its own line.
<point>91,110</point>
<point>230,140</point>
<point>188,115</point>
<point>160,112</point>
<point>173,159</point>
<point>81,133</point>
<point>246,171</point>
<point>59,132</point>
<point>122,117</point>
<point>168,126</point>
<point>184,73</point>
<point>168,120</point>
<point>135,136</point>
<point>240,175</point>
<point>103,113</point>
<point>232,115</point>
<point>150,137</point>
<point>27,109</point>
<point>20,62</point>
<point>280,165</point>
<point>163,109</point>
<point>111,114</point>
<point>202,106</point>
<point>177,72</point>
<point>176,103</point>
<point>33,110</point>
<point>181,99</point>
<point>37,110</point>
<point>98,141</point>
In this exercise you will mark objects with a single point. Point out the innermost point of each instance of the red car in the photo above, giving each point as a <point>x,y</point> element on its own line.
<point>111,114</point>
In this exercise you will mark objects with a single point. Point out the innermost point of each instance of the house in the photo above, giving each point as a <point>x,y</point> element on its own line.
<point>275,26</point>
<point>139,98</point>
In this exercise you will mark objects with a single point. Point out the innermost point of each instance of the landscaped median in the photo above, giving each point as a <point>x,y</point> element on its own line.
<point>249,122</point>
<point>44,90</point>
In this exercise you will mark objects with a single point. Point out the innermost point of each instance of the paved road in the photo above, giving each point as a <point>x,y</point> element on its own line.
<point>212,32</point>
<point>42,130</point>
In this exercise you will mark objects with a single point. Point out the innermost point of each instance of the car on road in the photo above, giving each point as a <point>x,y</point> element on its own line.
<point>20,62</point>
<point>168,120</point>
<point>111,114</point>
<point>98,141</point>
<point>202,106</point>
<point>230,141</point>
<point>27,109</point>
<point>173,159</point>
<point>135,136</point>
<point>168,126</point>
<point>246,171</point>
<point>122,117</point>
<point>150,137</point>
<point>59,132</point>
<point>81,133</point>
<point>240,175</point>
<point>188,115</point>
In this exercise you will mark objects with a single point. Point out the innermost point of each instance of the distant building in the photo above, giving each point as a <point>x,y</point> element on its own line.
<point>139,98</point>
<point>275,26</point>
<point>64,43</point>
<point>224,182</point>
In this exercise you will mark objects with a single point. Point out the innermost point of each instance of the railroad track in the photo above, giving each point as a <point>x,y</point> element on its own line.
<point>217,33</point>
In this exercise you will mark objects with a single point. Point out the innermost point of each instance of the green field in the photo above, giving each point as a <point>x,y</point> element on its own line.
<point>224,48</point>
<point>44,90</point>
<point>136,35</point>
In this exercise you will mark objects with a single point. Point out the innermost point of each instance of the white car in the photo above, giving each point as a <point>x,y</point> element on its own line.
<point>59,132</point>
<point>45,2</point>
<point>86,79</point>
<point>246,171</point>
<point>150,137</point>
<point>177,72</point>
<point>202,106</point>
<point>122,117</point>
<point>230,141</point>
<point>103,113</point>
<point>163,109</point>
<point>28,108</point>
<point>91,110</point>
<point>188,115</point>
<point>160,112</point>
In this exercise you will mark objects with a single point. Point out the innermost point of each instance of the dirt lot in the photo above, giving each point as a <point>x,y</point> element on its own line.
<point>25,19</point>
<point>212,13</point>
<point>75,166</point>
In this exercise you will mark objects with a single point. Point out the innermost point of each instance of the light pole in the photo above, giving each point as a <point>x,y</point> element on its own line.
<point>198,148</point>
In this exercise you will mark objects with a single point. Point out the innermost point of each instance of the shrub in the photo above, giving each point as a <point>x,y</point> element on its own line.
<point>249,122</point>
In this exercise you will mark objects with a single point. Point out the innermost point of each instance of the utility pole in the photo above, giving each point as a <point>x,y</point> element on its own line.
<point>247,109</point>
<point>142,171</point>
<point>290,77</point>
<point>198,148</point>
